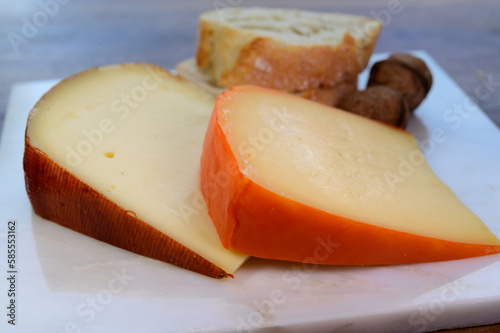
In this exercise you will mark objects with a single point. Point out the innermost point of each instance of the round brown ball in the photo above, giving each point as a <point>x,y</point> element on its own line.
<point>379,103</point>
<point>405,73</point>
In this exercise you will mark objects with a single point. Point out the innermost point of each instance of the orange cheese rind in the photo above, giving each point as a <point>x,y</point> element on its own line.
<point>254,216</point>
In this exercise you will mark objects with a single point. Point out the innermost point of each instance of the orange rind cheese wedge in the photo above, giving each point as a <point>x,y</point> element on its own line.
<point>113,153</point>
<point>289,179</point>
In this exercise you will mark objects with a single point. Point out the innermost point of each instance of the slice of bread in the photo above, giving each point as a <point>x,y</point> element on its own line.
<point>326,95</point>
<point>290,50</point>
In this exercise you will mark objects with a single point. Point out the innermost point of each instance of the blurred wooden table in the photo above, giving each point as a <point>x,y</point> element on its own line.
<point>55,38</point>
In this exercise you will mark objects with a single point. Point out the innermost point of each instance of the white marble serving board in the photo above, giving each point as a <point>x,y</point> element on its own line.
<point>67,282</point>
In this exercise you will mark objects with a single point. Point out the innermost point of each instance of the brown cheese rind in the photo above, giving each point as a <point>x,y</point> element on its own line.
<point>59,196</point>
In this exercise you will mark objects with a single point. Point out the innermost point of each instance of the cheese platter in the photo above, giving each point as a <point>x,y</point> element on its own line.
<point>67,282</point>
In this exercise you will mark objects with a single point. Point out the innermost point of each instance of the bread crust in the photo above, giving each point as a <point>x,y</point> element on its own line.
<point>331,95</point>
<point>271,65</point>
<point>233,56</point>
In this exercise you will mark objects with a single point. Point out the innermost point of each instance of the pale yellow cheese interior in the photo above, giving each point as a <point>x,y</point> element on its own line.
<point>346,165</point>
<point>135,135</point>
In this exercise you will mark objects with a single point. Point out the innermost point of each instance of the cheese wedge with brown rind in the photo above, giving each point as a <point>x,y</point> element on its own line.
<point>113,153</point>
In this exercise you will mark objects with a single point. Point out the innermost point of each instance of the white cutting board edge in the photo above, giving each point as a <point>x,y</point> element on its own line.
<point>60,270</point>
